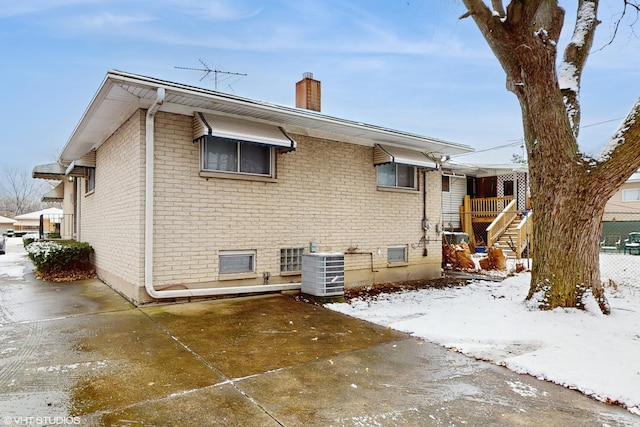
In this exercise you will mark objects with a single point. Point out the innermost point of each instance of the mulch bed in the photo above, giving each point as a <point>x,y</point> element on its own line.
<point>66,276</point>
<point>372,291</point>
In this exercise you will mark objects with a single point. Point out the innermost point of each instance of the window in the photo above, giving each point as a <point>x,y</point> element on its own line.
<point>291,259</point>
<point>631,195</point>
<point>225,155</point>
<point>396,175</point>
<point>237,262</point>
<point>446,185</point>
<point>507,188</point>
<point>91,179</point>
<point>397,254</point>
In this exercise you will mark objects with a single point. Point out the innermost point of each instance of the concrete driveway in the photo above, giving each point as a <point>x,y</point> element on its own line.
<point>80,354</point>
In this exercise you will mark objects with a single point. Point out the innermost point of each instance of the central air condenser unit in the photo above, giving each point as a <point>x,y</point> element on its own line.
<point>323,274</point>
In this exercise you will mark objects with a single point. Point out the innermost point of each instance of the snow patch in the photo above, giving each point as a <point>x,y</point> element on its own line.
<point>581,349</point>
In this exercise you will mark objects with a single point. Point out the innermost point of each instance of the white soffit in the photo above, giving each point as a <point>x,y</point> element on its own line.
<point>388,154</point>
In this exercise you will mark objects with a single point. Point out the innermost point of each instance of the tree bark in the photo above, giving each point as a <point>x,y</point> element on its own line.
<point>569,191</point>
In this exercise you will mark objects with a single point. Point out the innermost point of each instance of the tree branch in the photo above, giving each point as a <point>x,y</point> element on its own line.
<point>521,13</point>
<point>498,8</point>
<point>494,31</point>
<point>621,155</point>
<point>616,25</point>
<point>575,58</point>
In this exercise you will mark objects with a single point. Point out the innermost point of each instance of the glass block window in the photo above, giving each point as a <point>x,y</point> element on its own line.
<point>291,259</point>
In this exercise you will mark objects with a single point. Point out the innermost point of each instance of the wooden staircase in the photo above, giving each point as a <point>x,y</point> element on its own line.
<point>508,240</point>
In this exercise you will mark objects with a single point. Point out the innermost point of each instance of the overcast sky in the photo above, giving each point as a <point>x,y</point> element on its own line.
<point>408,65</point>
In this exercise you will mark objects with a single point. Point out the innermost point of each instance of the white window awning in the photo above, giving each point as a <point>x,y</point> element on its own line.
<point>240,130</point>
<point>387,154</point>
<point>56,194</point>
<point>78,168</point>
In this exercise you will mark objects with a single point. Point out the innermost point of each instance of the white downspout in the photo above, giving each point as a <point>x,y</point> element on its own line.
<point>148,229</point>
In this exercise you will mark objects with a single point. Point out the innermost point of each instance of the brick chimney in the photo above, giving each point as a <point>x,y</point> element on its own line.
<point>308,93</point>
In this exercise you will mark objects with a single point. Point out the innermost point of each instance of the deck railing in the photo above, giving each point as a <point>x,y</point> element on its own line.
<point>525,231</point>
<point>500,224</point>
<point>487,207</point>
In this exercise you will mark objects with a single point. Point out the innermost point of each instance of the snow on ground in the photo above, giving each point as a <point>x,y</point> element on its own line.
<point>584,350</point>
<point>11,264</point>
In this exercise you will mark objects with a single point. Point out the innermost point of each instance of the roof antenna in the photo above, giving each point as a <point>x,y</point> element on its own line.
<point>208,70</point>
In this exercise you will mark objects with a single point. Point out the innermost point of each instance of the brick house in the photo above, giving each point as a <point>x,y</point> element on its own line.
<point>184,191</point>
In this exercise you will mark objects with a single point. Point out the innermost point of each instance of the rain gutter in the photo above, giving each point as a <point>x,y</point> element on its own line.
<point>148,229</point>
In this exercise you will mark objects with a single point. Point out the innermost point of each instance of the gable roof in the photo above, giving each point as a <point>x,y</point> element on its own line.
<point>50,212</point>
<point>121,94</point>
<point>5,220</point>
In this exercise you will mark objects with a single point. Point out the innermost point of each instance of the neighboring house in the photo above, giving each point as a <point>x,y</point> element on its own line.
<point>622,215</point>
<point>6,224</point>
<point>184,191</point>
<point>624,205</point>
<point>474,196</point>
<point>30,222</point>
<point>63,193</point>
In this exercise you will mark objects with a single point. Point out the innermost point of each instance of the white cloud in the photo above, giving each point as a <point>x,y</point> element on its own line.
<point>13,8</point>
<point>218,10</point>
<point>105,19</point>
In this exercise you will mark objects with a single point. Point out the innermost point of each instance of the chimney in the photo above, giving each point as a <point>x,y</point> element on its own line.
<point>308,93</point>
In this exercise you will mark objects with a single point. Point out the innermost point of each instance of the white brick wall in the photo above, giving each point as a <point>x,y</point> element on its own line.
<point>325,192</point>
<point>112,218</point>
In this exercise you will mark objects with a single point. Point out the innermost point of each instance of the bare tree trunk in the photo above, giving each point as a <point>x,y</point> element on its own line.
<point>569,190</point>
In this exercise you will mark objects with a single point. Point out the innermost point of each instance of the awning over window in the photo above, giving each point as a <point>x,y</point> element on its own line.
<point>386,154</point>
<point>49,171</point>
<point>79,167</point>
<point>54,195</point>
<point>240,130</point>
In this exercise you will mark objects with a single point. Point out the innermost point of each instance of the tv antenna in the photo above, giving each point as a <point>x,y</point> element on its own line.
<point>208,70</point>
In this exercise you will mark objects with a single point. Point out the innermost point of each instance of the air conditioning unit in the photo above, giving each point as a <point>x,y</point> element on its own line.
<point>323,274</point>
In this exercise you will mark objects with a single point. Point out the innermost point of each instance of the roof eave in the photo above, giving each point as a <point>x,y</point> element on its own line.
<point>111,100</point>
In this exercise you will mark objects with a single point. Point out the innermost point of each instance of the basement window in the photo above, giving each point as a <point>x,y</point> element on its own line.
<point>291,260</point>
<point>397,254</point>
<point>234,262</point>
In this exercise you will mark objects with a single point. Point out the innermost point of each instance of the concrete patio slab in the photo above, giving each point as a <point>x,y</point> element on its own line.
<point>80,350</point>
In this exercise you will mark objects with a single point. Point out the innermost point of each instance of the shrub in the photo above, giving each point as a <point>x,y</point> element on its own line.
<point>66,256</point>
<point>27,239</point>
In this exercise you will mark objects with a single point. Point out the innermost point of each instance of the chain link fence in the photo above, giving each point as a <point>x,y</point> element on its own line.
<point>620,248</point>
